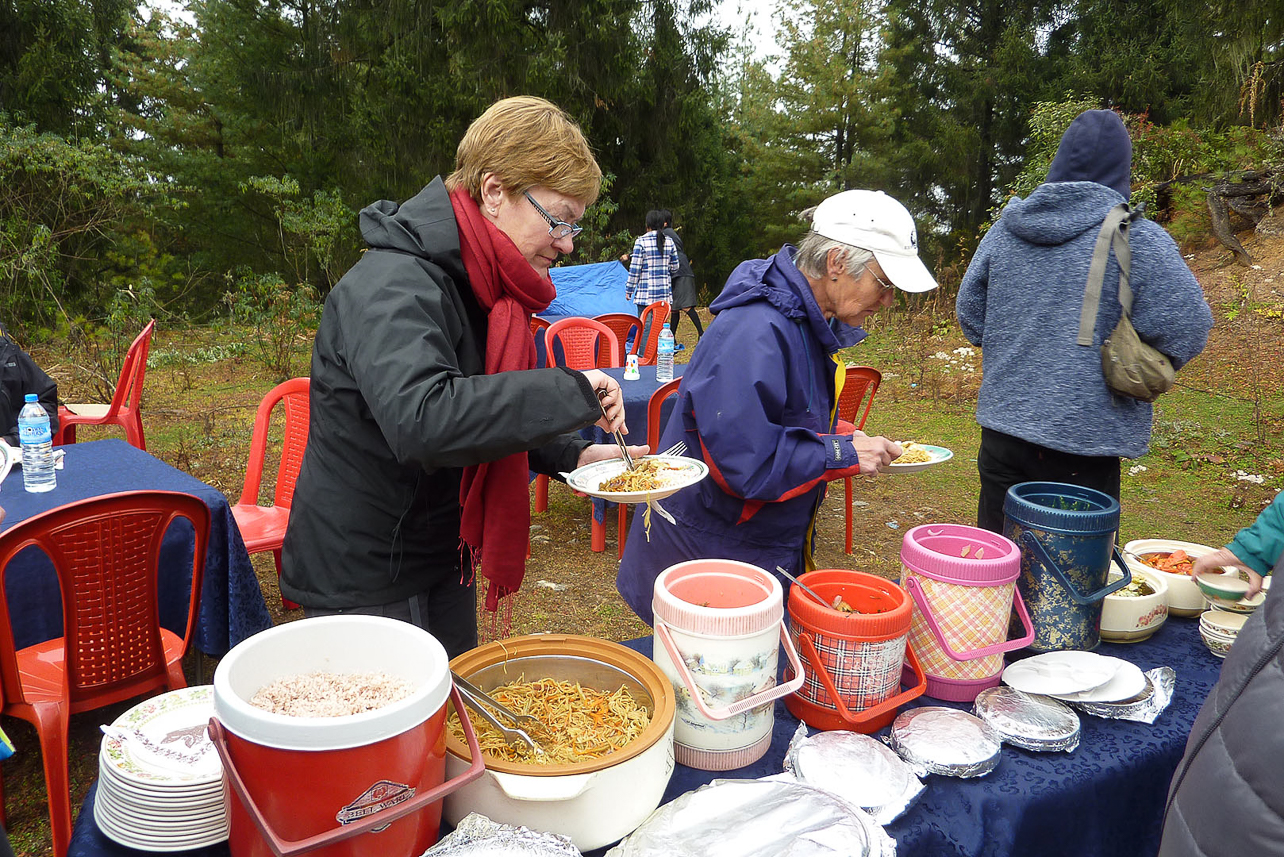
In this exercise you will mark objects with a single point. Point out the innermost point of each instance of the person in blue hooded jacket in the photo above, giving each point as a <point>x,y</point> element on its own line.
<point>757,402</point>
<point>1045,411</point>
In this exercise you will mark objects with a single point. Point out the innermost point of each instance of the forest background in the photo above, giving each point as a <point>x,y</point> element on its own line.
<point>211,167</point>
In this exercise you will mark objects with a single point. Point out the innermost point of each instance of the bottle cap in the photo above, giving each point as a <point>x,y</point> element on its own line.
<point>31,397</point>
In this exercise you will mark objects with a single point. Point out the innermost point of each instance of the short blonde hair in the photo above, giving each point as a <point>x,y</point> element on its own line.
<point>527,141</point>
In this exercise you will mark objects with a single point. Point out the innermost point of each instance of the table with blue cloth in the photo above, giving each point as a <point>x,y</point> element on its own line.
<point>1104,799</point>
<point>232,606</point>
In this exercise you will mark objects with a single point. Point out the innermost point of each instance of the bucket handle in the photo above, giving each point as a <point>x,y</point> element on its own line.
<point>920,598</point>
<point>762,697</point>
<point>891,703</point>
<point>288,847</point>
<point>1028,538</point>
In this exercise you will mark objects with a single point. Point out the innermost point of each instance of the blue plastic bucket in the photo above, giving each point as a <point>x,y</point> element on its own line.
<point>1066,534</point>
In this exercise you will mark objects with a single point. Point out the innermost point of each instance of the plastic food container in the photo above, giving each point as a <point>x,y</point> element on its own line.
<point>1129,618</point>
<point>1184,597</point>
<point>593,803</point>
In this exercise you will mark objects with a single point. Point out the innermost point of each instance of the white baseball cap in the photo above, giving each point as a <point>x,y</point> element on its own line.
<point>872,220</point>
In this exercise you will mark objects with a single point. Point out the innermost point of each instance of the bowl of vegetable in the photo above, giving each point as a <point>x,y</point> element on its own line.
<point>1172,560</point>
<point>1136,611</point>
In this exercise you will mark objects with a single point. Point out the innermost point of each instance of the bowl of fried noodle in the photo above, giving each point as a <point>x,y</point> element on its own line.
<point>605,729</point>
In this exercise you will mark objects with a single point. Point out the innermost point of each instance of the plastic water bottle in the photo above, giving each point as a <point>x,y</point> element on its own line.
<point>664,355</point>
<point>37,447</point>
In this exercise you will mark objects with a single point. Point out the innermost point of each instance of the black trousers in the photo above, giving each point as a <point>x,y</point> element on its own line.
<point>1004,461</point>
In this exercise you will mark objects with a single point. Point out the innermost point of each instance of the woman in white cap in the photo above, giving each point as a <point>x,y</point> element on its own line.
<point>757,402</point>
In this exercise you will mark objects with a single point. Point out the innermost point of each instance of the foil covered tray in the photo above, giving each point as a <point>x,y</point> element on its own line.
<point>1143,707</point>
<point>857,768</point>
<point>1028,720</point>
<point>938,740</point>
<point>476,835</point>
<point>767,817</point>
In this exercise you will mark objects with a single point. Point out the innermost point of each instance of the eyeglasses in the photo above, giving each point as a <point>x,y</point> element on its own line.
<point>556,228</point>
<point>887,287</point>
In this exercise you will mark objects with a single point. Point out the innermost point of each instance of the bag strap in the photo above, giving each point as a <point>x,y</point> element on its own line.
<point>1114,232</point>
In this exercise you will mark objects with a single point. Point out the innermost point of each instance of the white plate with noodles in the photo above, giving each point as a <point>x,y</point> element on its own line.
<point>917,456</point>
<point>654,478</point>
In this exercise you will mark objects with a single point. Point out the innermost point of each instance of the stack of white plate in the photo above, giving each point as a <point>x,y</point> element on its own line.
<point>160,782</point>
<point>1077,677</point>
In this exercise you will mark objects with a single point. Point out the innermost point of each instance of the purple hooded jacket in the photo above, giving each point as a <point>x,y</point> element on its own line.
<point>756,404</point>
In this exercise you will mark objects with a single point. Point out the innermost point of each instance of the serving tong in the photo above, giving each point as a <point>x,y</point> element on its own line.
<point>619,436</point>
<point>474,696</point>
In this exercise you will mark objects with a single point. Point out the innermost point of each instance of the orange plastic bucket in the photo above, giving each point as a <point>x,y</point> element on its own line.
<point>856,663</point>
<point>361,785</point>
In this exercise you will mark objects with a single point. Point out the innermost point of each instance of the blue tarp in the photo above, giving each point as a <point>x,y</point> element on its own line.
<point>589,290</point>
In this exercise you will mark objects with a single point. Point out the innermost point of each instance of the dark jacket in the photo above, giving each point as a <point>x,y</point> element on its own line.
<point>400,403</point>
<point>20,375</point>
<point>756,404</point>
<point>1225,798</point>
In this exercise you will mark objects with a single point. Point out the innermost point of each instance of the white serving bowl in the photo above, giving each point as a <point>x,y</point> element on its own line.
<point>1184,597</point>
<point>1128,618</point>
<point>1222,624</point>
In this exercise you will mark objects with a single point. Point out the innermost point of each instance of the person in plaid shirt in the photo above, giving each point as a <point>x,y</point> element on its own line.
<point>652,265</point>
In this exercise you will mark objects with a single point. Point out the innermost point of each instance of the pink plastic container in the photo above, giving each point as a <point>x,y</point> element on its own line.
<point>962,581</point>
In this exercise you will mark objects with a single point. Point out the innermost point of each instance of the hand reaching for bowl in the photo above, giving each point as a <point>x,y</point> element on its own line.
<point>1212,563</point>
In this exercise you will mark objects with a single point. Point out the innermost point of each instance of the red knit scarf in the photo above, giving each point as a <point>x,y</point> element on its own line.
<point>496,518</point>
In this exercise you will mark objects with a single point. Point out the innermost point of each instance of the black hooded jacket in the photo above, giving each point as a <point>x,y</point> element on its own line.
<point>400,403</point>
<point>20,375</point>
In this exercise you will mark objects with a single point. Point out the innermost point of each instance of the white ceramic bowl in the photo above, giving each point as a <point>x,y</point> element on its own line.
<point>1222,624</point>
<point>1128,618</point>
<point>1184,597</point>
<point>1216,643</point>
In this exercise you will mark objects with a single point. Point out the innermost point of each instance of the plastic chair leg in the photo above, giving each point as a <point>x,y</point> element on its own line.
<point>623,526</point>
<point>133,426</point>
<point>599,535</point>
<point>541,493</point>
<point>67,433</point>
<point>847,484</point>
<point>286,603</point>
<point>51,728</point>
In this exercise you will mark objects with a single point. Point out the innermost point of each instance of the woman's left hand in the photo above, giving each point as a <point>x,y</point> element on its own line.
<point>604,451</point>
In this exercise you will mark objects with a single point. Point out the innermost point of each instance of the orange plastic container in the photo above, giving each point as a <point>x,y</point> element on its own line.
<point>856,663</point>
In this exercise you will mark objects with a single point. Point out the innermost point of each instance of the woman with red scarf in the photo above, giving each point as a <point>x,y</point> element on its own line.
<point>426,410</point>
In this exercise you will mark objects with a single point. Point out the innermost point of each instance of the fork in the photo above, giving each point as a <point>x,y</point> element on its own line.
<point>677,449</point>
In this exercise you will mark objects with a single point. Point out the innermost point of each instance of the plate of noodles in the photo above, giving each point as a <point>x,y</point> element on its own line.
<point>654,478</point>
<point>916,456</point>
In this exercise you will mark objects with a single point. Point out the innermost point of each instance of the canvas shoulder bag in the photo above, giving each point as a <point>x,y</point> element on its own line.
<point>1131,367</point>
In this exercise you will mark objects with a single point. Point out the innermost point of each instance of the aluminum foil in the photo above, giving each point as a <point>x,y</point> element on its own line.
<point>1028,720</point>
<point>1145,706</point>
<point>862,771</point>
<point>771,817</point>
<point>478,835</point>
<point>939,740</point>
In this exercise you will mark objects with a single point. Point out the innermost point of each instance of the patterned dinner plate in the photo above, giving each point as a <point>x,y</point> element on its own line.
<point>162,741</point>
<point>939,455</point>
<point>675,473</point>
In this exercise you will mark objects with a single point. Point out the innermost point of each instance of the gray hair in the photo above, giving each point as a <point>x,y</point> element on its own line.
<point>812,258</point>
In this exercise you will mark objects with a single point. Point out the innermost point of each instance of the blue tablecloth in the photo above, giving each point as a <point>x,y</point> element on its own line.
<point>1105,799</point>
<point>232,606</point>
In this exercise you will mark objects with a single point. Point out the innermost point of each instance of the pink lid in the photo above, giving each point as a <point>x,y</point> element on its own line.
<point>956,553</point>
<point>718,597</point>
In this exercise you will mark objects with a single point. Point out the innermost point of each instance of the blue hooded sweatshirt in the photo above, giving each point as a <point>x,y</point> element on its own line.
<point>1023,291</point>
<point>756,404</point>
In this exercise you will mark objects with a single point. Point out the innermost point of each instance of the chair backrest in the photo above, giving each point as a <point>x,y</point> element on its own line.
<point>129,387</point>
<point>624,324</point>
<point>295,398</point>
<point>539,326</point>
<point>659,314</point>
<point>106,551</point>
<point>858,394</point>
<point>654,408</point>
<point>582,343</point>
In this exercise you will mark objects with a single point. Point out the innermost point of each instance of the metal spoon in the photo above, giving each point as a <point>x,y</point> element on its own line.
<point>805,588</point>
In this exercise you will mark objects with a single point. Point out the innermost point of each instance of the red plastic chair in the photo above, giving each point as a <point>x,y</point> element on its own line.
<point>263,527</point>
<point>659,314</point>
<point>853,408</point>
<point>654,406</point>
<point>538,328</point>
<point>106,552</point>
<point>625,325</point>
<point>585,344</point>
<point>125,401</point>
